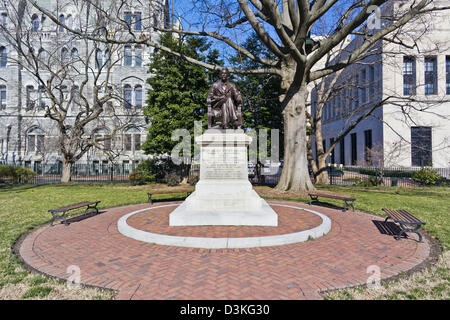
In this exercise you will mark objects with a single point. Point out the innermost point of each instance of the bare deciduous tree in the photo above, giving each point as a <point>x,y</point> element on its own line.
<point>74,77</point>
<point>284,28</point>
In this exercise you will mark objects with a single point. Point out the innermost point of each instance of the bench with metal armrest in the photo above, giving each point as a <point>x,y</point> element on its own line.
<point>347,199</point>
<point>406,220</point>
<point>63,210</point>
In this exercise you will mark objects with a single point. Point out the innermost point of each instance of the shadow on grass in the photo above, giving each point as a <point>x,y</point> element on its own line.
<point>19,187</point>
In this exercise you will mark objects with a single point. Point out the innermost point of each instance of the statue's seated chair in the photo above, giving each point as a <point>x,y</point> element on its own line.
<point>216,113</point>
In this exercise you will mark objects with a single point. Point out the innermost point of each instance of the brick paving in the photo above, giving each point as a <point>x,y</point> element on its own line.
<point>139,270</point>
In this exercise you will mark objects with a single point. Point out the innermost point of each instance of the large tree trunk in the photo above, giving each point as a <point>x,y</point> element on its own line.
<point>66,171</point>
<point>295,175</point>
<point>322,173</point>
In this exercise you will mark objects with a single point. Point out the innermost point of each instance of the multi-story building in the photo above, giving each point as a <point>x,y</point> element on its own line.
<point>413,128</point>
<point>27,135</point>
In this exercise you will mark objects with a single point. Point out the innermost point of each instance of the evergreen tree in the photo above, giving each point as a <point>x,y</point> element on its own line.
<point>178,92</point>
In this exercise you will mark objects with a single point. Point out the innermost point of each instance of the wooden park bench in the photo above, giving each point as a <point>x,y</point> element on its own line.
<point>347,199</point>
<point>63,210</point>
<point>150,200</point>
<point>405,219</point>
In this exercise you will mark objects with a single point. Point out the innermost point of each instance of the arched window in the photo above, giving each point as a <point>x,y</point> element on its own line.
<point>132,140</point>
<point>3,57</point>
<point>99,59</point>
<point>63,21</point>
<point>29,97</point>
<point>138,56</point>
<point>64,56</point>
<point>128,57</point>
<point>69,21</point>
<point>107,58</point>
<point>74,55</point>
<point>127,96</point>
<point>63,94</point>
<point>35,23</point>
<point>2,97</point>
<point>138,96</point>
<point>42,57</point>
<point>35,140</point>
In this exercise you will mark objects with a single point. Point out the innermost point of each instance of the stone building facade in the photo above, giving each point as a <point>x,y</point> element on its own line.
<point>412,129</point>
<point>29,137</point>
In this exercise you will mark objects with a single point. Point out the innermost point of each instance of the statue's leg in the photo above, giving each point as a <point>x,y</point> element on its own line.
<point>239,121</point>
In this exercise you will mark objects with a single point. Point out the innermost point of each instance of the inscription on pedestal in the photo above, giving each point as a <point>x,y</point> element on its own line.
<point>223,162</point>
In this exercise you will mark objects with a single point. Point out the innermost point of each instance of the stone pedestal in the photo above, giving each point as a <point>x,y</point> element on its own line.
<point>223,195</point>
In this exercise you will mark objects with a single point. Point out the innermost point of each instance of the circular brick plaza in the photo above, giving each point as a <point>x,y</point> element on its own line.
<point>140,270</point>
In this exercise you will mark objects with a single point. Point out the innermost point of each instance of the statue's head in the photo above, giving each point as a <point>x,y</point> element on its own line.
<point>224,73</point>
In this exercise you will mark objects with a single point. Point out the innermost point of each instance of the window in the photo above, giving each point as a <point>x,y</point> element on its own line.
<point>333,158</point>
<point>3,19</point>
<point>368,147</point>
<point>137,142</point>
<point>41,96</point>
<point>107,58</point>
<point>70,21</point>
<point>103,138</point>
<point>127,142</point>
<point>447,67</point>
<point>128,18</point>
<point>421,144</point>
<point>128,57</point>
<point>324,144</point>
<point>354,104</point>
<point>342,150</point>
<point>138,56</point>
<point>42,57</point>
<point>63,94</point>
<point>64,56</point>
<point>3,57</point>
<point>74,55</point>
<point>29,98</point>
<point>362,86</point>
<point>127,96</point>
<point>371,82</point>
<point>63,21</point>
<point>35,23</point>
<point>35,140</point>
<point>409,76</point>
<point>75,96</point>
<point>99,59</point>
<point>138,96</point>
<point>2,97</point>
<point>138,21</point>
<point>354,155</point>
<point>430,75</point>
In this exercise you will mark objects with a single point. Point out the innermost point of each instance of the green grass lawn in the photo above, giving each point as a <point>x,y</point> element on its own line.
<point>431,204</point>
<point>24,207</point>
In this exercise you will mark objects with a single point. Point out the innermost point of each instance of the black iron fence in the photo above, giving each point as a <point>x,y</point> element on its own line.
<point>389,176</point>
<point>338,175</point>
<point>367,176</point>
<point>81,172</point>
